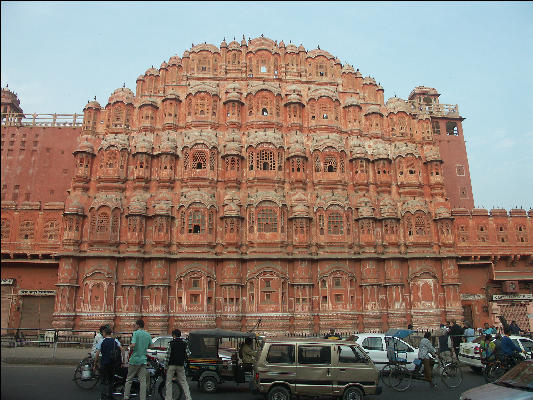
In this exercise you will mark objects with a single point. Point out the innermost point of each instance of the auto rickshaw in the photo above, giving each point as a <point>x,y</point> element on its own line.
<point>214,357</point>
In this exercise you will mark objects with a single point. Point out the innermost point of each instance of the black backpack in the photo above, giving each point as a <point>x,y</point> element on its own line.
<point>116,355</point>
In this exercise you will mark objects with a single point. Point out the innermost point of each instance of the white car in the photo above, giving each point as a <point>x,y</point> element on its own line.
<point>470,353</point>
<point>375,345</point>
<point>159,347</point>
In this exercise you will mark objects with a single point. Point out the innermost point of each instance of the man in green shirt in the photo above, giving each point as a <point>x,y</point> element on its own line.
<point>140,342</point>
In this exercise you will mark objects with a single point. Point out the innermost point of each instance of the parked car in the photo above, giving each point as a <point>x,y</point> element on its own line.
<point>516,384</point>
<point>320,367</point>
<point>159,347</point>
<point>470,353</point>
<point>376,344</point>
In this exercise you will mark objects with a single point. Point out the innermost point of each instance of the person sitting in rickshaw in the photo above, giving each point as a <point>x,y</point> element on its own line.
<point>247,354</point>
<point>392,352</point>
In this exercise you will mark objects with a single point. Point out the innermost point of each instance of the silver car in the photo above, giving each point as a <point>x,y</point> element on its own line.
<point>159,347</point>
<point>516,384</point>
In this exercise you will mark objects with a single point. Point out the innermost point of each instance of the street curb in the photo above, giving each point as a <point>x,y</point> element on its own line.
<point>37,361</point>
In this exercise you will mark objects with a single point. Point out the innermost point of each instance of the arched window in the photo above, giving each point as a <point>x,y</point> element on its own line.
<point>196,222</point>
<point>335,224</point>
<point>199,160</point>
<point>267,219</point>
<point>330,164</point>
<point>266,160</point>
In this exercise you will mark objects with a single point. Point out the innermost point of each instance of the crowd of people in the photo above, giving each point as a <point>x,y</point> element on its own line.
<point>109,355</point>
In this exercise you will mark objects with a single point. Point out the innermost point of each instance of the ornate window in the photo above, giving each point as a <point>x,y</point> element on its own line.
<point>335,223</point>
<point>330,164</point>
<point>5,229</point>
<point>321,223</point>
<point>267,220</point>
<point>199,159</point>
<point>212,159</point>
<point>196,222</point>
<point>51,231</point>
<point>102,224</point>
<point>26,230</point>
<point>266,160</point>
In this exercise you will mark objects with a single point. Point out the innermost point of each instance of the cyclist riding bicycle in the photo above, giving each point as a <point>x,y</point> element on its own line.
<point>509,349</point>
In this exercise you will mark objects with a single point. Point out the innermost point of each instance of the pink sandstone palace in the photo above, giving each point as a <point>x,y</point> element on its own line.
<point>253,180</point>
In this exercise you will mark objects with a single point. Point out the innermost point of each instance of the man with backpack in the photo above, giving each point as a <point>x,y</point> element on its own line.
<point>110,351</point>
<point>175,363</point>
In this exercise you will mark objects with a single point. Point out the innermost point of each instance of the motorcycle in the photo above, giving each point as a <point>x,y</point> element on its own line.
<point>156,380</point>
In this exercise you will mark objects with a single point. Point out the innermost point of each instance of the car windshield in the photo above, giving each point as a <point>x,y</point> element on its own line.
<point>527,344</point>
<point>519,377</point>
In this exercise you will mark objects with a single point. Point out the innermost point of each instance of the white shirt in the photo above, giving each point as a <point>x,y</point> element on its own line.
<point>97,339</point>
<point>424,348</point>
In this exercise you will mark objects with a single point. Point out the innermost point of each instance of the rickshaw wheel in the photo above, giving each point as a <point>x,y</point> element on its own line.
<point>209,384</point>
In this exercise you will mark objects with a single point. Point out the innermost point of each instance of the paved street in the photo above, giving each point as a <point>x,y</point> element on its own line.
<point>52,382</point>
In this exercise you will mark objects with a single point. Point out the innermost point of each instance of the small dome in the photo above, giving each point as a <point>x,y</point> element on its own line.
<point>234,45</point>
<point>351,102</point>
<point>373,109</point>
<point>223,44</point>
<point>92,104</point>
<point>281,44</point>
<point>291,48</point>
<point>84,147</point>
<point>140,78</point>
<point>185,54</point>
<point>358,74</point>
<point>174,60</point>
<point>368,80</point>
<point>233,96</point>
<point>122,94</point>
<point>301,48</point>
<point>395,105</point>
<point>164,65</point>
<point>231,210</point>
<point>152,71</point>
<point>294,98</point>
<point>347,69</point>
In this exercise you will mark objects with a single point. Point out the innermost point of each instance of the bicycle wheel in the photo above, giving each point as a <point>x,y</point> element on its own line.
<point>451,375</point>
<point>400,378</point>
<point>385,374</point>
<point>82,382</point>
<point>494,372</point>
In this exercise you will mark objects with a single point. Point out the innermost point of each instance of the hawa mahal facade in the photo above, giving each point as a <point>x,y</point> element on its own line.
<point>255,180</point>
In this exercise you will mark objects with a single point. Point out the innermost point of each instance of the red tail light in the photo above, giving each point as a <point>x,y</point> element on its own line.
<point>257,376</point>
<point>476,350</point>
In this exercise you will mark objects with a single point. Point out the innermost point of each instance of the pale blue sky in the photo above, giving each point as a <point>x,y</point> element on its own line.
<point>478,55</point>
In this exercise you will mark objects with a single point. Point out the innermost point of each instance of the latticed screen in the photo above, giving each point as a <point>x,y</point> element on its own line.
<point>267,220</point>
<point>196,222</point>
<point>26,230</point>
<point>199,160</point>
<point>335,224</point>
<point>330,164</point>
<point>102,223</point>
<point>420,225</point>
<point>266,160</point>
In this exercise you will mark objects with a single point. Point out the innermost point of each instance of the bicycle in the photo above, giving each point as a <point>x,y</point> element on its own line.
<point>399,378</point>
<point>495,369</point>
<point>85,376</point>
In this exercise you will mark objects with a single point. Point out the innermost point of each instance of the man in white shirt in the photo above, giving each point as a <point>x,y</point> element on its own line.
<point>424,350</point>
<point>97,339</point>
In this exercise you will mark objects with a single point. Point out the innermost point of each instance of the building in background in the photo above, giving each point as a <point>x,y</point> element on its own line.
<point>254,180</point>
